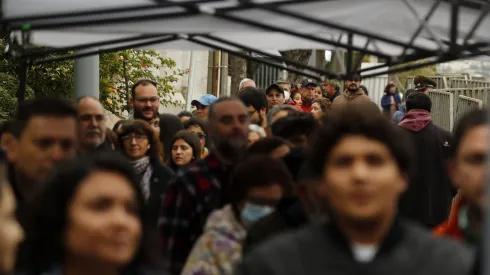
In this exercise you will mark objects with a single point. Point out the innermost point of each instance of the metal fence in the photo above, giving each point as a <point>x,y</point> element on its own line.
<point>376,87</point>
<point>266,75</point>
<point>466,104</point>
<point>442,108</point>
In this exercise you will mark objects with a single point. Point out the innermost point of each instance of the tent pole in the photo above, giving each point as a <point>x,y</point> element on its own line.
<point>41,52</point>
<point>350,53</point>
<point>246,56</point>
<point>87,76</point>
<point>102,51</point>
<point>22,71</point>
<point>273,57</point>
<point>454,48</point>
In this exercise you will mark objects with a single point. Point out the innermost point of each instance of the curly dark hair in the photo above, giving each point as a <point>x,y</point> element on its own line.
<point>325,104</point>
<point>141,127</point>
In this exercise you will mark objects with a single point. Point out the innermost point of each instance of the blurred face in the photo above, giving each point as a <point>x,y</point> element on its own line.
<point>280,151</point>
<point>45,142</point>
<point>103,220</point>
<point>297,99</point>
<point>183,119</point>
<point>91,124</point>
<point>361,180</point>
<point>308,93</point>
<point>469,168</point>
<point>316,110</point>
<point>146,102</point>
<point>275,98</point>
<point>252,137</point>
<point>200,133</point>
<point>318,93</point>
<point>279,115</point>
<point>260,202</point>
<point>182,152</point>
<point>11,233</point>
<point>202,111</point>
<point>330,89</point>
<point>255,115</point>
<point>155,125</point>
<point>352,86</point>
<point>392,90</point>
<point>230,126</point>
<point>135,145</point>
<point>286,87</point>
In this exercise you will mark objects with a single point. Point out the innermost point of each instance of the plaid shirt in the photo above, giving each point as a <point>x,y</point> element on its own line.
<point>188,201</point>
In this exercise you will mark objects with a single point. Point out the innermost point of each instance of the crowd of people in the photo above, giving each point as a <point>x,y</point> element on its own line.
<point>295,179</point>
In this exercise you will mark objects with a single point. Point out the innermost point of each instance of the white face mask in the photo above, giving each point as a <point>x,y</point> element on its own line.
<point>251,213</point>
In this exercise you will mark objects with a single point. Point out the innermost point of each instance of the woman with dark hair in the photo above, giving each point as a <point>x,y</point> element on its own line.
<point>185,149</point>
<point>320,107</point>
<point>198,126</point>
<point>118,125</point>
<point>140,145</point>
<point>391,101</point>
<point>111,138</point>
<point>11,233</point>
<point>169,126</point>
<point>90,219</point>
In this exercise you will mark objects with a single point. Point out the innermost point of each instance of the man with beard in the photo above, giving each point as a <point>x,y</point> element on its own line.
<point>145,100</point>
<point>203,186</point>
<point>256,102</point>
<point>352,93</point>
<point>91,125</point>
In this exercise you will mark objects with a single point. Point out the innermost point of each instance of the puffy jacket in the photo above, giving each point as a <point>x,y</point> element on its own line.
<point>219,249</point>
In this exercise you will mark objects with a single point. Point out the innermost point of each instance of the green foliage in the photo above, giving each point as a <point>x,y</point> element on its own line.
<point>139,65</point>
<point>57,79</point>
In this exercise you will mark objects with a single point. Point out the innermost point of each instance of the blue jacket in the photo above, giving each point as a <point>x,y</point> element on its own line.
<point>398,115</point>
<point>386,101</point>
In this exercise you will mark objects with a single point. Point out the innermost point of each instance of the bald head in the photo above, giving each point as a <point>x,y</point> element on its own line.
<point>91,123</point>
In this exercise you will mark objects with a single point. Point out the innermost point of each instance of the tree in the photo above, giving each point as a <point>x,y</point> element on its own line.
<point>301,56</point>
<point>57,78</point>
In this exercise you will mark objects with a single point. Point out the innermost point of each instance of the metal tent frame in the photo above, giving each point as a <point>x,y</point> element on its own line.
<point>449,49</point>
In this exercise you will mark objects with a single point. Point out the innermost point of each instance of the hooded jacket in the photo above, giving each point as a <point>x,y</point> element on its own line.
<point>429,194</point>
<point>346,97</point>
<point>219,249</point>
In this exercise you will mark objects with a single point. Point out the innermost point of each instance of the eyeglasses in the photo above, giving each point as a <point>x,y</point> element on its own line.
<point>136,137</point>
<point>201,135</point>
<point>146,99</point>
<point>86,118</point>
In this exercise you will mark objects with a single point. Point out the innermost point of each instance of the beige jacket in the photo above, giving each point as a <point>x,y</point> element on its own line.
<point>346,97</point>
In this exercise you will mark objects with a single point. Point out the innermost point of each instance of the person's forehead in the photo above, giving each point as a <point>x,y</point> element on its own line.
<point>195,128</point>
<point>90,106</point>
<point>230,107</point>
<point>475,139</point>
<point>357,145</point>
<point>145,91</point>
<point>51,126</point>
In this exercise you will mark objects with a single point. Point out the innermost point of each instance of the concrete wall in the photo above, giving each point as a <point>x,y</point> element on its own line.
<point>200,73</point>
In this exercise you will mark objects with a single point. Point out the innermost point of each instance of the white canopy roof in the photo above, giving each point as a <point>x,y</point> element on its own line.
<point>381,27</point>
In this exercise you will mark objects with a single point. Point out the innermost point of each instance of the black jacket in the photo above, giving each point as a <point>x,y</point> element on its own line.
<point>320,249</point>
<point>429,194</point>
<point>159,181</point>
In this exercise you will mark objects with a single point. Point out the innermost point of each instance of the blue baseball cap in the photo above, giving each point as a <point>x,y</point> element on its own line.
<point>204,100</point>
<point>308,82</point>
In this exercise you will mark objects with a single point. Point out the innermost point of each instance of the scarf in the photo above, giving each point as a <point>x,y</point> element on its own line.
<point>144,170</point>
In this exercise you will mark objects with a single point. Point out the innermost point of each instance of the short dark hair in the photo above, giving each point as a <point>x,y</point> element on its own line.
<point>169,125</point>
<point>469,121</point>
<point>265,146</point>
<point>183,114</point>
<point>419,101</point>
<point>212,107</point>
<point>194,121</point>
<point>407,94</point>
<point>363,120</point>
<point>47,106</point>
<point>48,217</point>
<point>142,82</point>
<point>258,171</point>
<point>254,97</point>
<point>294,125</point>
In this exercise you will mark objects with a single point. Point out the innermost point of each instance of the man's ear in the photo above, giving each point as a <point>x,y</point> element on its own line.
<point>131,103</point>
<point>10,143</point>
<point>452,170</point>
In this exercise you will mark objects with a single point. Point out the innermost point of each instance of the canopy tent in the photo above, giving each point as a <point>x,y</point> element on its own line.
<point>397,31</point>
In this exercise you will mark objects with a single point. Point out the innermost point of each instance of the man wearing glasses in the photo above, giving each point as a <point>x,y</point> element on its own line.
<point>145,100</point>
